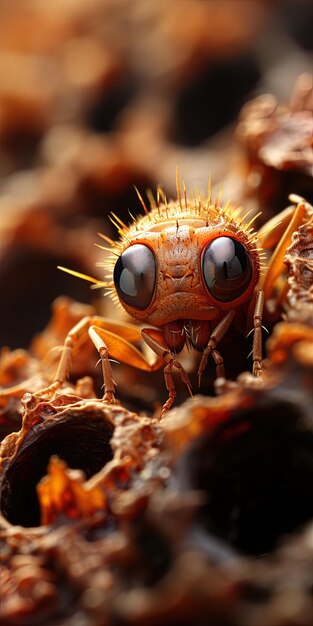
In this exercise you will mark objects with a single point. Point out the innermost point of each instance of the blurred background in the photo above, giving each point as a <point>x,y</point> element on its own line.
<point>99,96</point>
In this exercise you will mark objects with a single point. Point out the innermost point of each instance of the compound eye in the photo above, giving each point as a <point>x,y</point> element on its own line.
<point>226,268</point>
<point>134,276</point>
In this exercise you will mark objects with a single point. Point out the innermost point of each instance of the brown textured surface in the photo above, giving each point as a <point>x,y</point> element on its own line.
<point>299,260</point>
<point>277,139</point>
<point>140,541</point>
<point>110,517</point>
<point>154,521</point>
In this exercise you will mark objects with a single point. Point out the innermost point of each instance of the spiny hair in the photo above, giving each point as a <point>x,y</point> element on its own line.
<point>162,211</point>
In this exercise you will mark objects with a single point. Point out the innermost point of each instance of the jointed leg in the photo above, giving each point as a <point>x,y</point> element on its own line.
<point>82,328</point>
<point>110,338</point>
<point>276,263</point>
<point>218,333</point>
<point>154,339</point>
<point>72,338</point>
<point>109,382</point>
<point>257,337</point>
<point>219,364</point>
<point>169,383</point>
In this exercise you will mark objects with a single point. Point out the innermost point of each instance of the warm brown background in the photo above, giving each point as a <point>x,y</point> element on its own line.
<point>96,97</point>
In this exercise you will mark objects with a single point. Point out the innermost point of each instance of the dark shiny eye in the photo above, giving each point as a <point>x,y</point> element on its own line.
<point>226,268</point>
<point>134,276</point>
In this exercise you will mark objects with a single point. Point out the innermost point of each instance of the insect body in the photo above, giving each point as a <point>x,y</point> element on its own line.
<point>188,271</point>
<point>188,268</point>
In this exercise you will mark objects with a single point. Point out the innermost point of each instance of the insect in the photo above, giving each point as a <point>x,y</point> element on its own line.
<point>190,269</point>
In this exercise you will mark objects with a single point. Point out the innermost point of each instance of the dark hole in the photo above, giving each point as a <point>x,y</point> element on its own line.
<point>256,594</point>
<point>82,443</point>
<point>286,181</point>
<point>20,147</point>
<point>154,551</point>
<point>213,99</point>
<point>102,116</point>
<point>29,282</point>
<point>256,472</point>
<point>119,200</point>
<point>297,20</point>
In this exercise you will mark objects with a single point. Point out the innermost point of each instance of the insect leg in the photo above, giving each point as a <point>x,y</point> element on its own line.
<point>169,383</point>
<point>257,337</point>
<point>109,382</point>
<point>155,340</point>
<point>218,333</point>
<point>276,263</point>
<point>75,334</point>
<point>111,344</point>
<point>122,349</point>
<point>272,231</point>
<point>112,336</point>
<point>219,363</point>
